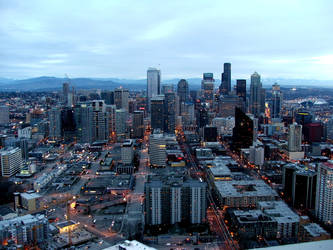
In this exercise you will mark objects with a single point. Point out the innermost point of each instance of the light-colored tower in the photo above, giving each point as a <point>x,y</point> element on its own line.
<point>295,138</point>
<point>153,84</point>
<point>255,94</point>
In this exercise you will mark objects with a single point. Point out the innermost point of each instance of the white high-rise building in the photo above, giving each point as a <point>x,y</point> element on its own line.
<point>4,114</point>
<point>121,118</point>
<point>157,150</point>
<point>153,84</point>
<point>255,94</point>
<point>324,195</point>
<point>295,138</point>
<point>11,161</point>
<point>127,152</point>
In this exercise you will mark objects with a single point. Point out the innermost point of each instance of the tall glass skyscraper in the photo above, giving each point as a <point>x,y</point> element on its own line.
<point>225,86</point>
<point>255,94</point>
<point>153,84</point>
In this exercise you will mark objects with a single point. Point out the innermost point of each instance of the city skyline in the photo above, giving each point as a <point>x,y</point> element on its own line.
<point>119,39</point>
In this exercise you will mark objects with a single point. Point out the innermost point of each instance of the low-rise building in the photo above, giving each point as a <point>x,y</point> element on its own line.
<point>288,221</point>
<point>243,193</point>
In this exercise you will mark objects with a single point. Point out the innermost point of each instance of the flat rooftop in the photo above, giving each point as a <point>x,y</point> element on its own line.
<point>30,196</point>
<point>279,210</point>
<point>243,188</point>
<point>130,245</point>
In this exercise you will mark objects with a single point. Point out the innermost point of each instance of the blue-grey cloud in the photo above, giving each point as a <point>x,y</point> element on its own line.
<point>286,38</point>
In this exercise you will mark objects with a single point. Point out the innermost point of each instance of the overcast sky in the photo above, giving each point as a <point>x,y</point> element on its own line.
<point>85,38</point>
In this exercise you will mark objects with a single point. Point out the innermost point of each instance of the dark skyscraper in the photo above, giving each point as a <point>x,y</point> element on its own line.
<point>138,125</point>
<point>157,112</point>
<point>241,92</point>
<point>243,131</point>
<point>225,86</point>
<point>108,97</point>
<point>169,112</point>
<point>276,101</point>
<point>183,91</point>
<point>65,92</point>
<point>241,89</point>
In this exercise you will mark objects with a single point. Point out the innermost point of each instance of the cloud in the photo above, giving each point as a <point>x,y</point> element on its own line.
<point>122,38</point>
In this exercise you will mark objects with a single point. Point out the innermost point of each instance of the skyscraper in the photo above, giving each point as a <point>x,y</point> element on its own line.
<point>183,91</point>
<point>207,88</point>
<point>276,101</point>
<point>121,98</point>
<point>121,126</point>
<point>108,97</point>
<point>84,122</point>
<point>255,94</point>
<point>225,86</point>
<point>243,131</point>
<point>138,126</point>
<point>241,92</point>
<point>153,84</point>
<point>157,115</point>
<point>295,138</point>
<point>169,112</point>
<point>324,204</point>
<point>65,93</point>
<point>100,121</point>
<point>55,122</point>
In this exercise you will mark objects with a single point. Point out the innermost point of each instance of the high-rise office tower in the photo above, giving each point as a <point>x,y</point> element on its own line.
<point>157,115</point>
<point>295,138</point>
<point>207,88</point>
<point>183,91</point>
<point>241,89</point>
<point>153,84</point>
<point>121,98</point>
<point>10,161</point>
<point>255,95</point>
<point>65,93</point>
<point>138,125</point>
<point>304,189</point>
<point>170,112</point>
<point>100,121</point>
<point>68,126</point>
<point>55,122</point>
<point>225,86</point>
<point>276,101</point>
<point>84,116</point>
<point>121,125</point>
<point>127,152</point>
<point>157,150</point>
<point>4,114</point>
<point>324,204</point>
<point>108,97</point>
<point>243,131</point>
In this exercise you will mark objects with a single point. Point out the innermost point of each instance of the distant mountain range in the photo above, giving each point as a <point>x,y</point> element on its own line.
<point>54,83</point>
